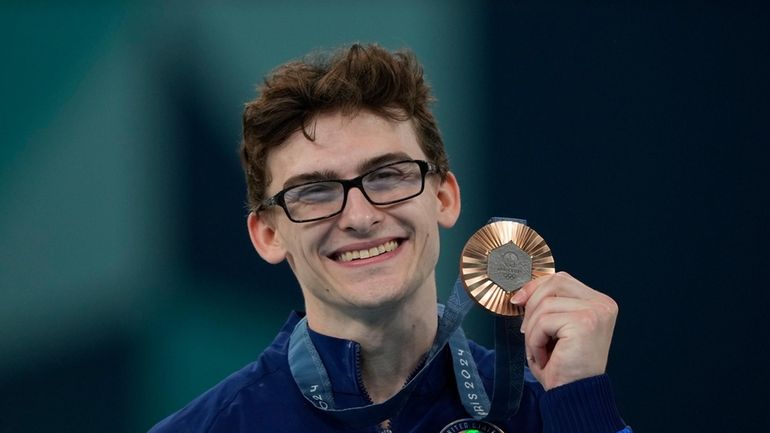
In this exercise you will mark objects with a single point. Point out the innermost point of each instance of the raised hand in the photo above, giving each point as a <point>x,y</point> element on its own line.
<point>568,328</point>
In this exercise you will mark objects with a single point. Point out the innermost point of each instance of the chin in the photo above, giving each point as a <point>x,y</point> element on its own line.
<point>381,300</point>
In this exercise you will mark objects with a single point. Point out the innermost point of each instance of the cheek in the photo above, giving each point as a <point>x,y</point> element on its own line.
<point>289,244</point>
<point>300,251</point>
<point>299,264</point>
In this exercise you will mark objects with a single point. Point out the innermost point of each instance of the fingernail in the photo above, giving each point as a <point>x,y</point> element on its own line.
<point>517,297</point>
<point>530,359</point>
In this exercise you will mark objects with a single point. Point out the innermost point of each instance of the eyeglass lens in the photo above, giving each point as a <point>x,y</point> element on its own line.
<point>385,185</point>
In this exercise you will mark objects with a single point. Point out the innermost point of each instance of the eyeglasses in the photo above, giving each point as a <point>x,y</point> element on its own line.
<point>391,183</point>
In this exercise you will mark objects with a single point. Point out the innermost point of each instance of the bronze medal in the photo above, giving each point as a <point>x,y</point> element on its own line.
<point>500,258</point>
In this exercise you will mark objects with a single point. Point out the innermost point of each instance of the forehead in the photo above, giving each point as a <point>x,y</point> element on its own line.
<point>342,143</point>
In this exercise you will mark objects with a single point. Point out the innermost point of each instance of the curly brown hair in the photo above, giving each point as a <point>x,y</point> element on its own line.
<point>390,84</point>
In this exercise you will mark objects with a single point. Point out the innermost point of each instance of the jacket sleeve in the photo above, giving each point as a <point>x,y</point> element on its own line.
<point>583,406</point>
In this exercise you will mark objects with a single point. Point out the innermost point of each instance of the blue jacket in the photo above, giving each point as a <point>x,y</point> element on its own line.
<point>262,397</point>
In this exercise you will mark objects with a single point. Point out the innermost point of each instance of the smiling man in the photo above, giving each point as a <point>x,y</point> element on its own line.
<point>348,181</point>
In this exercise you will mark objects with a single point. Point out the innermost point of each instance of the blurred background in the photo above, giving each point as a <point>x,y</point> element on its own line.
<point>633,137</point>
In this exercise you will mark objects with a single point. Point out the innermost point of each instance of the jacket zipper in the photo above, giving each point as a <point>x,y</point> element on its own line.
<point>360,381</point>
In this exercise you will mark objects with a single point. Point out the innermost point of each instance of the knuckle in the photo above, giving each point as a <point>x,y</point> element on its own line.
<point>547,303</point>
<point>593,317</point>
<point>589,321</point>
<point>608,306</point>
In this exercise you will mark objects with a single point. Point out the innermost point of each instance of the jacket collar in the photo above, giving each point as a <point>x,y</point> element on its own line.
<point>342,360</point>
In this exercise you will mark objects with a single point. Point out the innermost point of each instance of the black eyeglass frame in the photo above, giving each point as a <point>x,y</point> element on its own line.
<point>356,182</point>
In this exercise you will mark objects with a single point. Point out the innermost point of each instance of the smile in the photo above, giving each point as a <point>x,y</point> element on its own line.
<point>348,256</point>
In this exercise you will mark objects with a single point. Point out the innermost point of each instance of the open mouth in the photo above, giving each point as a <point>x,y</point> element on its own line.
<point>349,256</point>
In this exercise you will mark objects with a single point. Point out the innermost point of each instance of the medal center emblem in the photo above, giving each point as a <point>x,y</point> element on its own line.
<point>509,267</point>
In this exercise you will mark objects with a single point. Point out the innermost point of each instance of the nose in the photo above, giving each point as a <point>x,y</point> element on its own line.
<point>359,215</point>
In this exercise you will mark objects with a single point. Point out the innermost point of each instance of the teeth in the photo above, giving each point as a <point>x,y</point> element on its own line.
<point>365,254</point>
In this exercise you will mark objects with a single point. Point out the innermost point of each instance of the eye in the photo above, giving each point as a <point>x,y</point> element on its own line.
<point>320,192</point>
<point>386,174</point>
<point>393,176</point>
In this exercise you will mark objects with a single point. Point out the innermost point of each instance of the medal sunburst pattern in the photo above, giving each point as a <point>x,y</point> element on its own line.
<point>474,261</point>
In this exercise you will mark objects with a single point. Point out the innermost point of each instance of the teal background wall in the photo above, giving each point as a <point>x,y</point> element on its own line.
<point>128,282</point>
<point>634,139</point>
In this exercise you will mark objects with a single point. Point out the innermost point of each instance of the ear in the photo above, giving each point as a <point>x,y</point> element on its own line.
<point>448,201</point>
<point>264,238</point>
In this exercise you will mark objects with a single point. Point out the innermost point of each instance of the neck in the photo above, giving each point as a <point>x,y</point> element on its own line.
<point>393,340</point>
<point>390,355</point>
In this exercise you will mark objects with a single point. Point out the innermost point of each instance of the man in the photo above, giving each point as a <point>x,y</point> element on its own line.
<point>349,183</point>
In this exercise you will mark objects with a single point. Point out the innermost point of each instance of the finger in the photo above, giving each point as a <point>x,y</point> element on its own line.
<point>560,284</point>
<point>522,295</point>
<point>542,335</point>
<point>534,366</point>
<point>549,305</point>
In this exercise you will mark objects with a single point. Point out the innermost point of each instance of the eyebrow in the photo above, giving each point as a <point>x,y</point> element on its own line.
<point>377,161</point>
<point>369,164</point>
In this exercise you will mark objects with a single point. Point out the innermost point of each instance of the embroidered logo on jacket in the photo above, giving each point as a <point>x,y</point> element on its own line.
<point>470,425</point>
